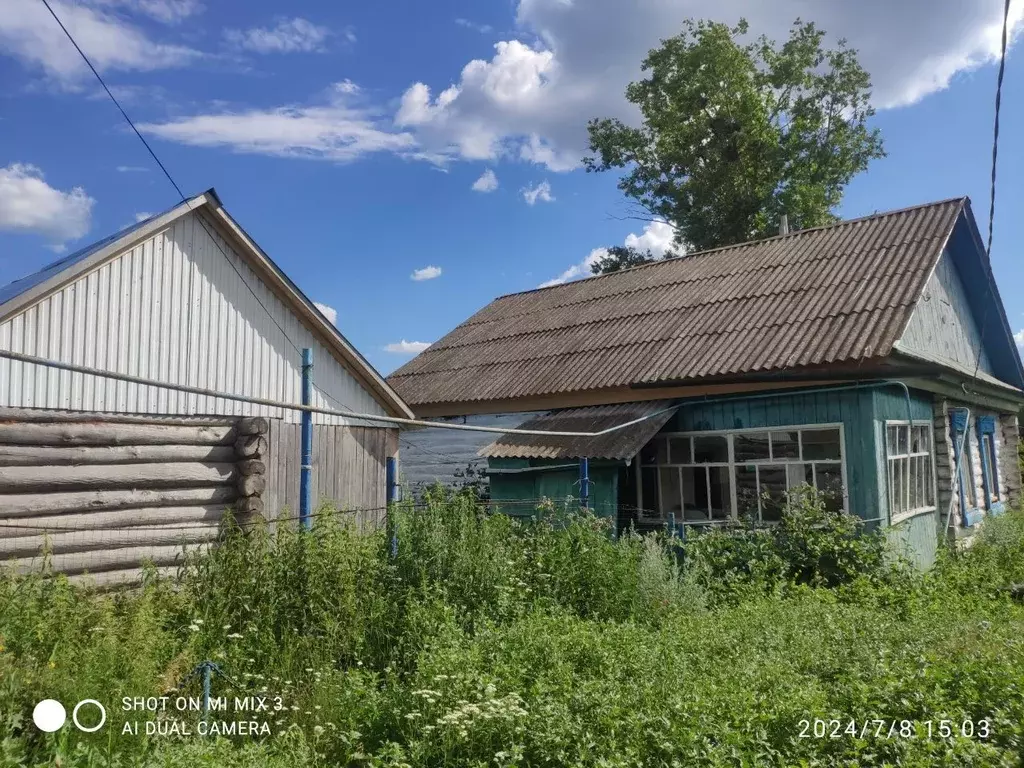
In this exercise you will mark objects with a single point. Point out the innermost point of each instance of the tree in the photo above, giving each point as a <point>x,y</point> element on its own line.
<point>621,257</point>
<point>734,135</point>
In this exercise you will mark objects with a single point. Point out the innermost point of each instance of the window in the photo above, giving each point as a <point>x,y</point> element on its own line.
<point>908,450</point>
<point>963,456</point>
<point>713,477</point>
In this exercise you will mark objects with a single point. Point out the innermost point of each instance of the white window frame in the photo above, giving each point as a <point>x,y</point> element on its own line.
<point>729,434</point>
<point>930,431</point>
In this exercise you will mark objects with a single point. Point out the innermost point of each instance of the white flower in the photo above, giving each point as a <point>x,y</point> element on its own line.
<point>234,636</point>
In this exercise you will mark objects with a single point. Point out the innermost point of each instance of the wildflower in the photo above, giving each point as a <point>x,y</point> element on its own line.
<point>226,627</point>
<point>197,621</point>
<point>234,636</point>
<point>194,627</point>
<point>317,730</point>
<point>53,664</point>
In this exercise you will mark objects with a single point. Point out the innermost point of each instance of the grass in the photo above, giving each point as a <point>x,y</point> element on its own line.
<point>488,641</point>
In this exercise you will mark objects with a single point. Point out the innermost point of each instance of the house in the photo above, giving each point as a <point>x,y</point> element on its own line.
<point>185,297</point>
<point>871,358</point>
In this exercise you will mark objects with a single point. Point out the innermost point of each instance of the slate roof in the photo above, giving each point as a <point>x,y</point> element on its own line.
<point>841,293</point>
<point>621,444</point>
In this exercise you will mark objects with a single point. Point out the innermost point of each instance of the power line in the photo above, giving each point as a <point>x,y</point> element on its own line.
<point>992,190</point>
<point>168,175</point>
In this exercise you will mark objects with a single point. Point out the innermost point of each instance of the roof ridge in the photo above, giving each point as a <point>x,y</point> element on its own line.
<point>745,243</point>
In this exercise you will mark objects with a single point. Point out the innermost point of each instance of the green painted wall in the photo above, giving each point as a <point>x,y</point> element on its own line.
<point>555,484</point>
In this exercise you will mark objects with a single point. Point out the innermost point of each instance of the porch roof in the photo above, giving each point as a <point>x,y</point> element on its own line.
<point>622,444</point>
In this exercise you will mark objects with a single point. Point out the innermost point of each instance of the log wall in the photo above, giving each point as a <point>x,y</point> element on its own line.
<point>103,493</point>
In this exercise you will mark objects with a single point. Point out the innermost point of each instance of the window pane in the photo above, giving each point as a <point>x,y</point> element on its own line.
<point>773,483</point>
<point>796,475</point>
<point>695,493</point>
<point>751,446</point>
<point>785,445</point>
<point>746,491</point>
<point>890,440</point>
<point>929,484</point>
<point>919,442</point>
<point>649,489</point>
<point>711,449</point>
<point>916,502</point>
<point>721,499</point>
<point>679,452</point>
<point>671,498</point>
<point>902,435</point>
<point>898,487</point>
<point>830,483</point>
<point>662,450</point>
<point>649,453</point>
<point>821,444</point>
<point>993,464</point>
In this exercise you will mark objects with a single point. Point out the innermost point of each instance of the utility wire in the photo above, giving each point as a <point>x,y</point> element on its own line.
<point>168,175</point>
<point>992,190</point>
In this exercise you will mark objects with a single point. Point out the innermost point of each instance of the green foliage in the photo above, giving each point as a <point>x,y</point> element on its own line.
<point>619,257</point>
<point>734,135</point>
<point>494,641</point>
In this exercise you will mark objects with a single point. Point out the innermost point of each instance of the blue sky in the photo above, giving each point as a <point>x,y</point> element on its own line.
<point>363,145</point>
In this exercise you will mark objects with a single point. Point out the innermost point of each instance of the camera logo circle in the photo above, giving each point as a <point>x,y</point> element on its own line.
<point>89,729</point>
<point>49,715</point>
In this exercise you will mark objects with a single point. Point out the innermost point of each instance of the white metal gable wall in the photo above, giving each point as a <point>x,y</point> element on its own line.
<point>171,308</point>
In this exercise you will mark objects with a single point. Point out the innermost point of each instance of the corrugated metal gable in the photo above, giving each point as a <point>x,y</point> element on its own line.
<point>834,294</point>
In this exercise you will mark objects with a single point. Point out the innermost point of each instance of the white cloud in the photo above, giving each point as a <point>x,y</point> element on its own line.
<point>532,100</point>
<point>339,131</point>
<point>1019,338</point>
<point>427,273</point>
<point>488,182</point>
<point>540,192</point>
<point>29,204</point>
<point>656,237</point>
<point>131,169</point>
<point>142,216</point>
<point>166,11</point>
<point>483,29</point>
<point>29,33</point>
<point>329,312</point>
<point>577,270</point>
<point>287,36</point>
<point>404,347</point>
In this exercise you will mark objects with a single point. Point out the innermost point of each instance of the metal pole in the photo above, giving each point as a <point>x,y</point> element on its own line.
<point>305,474</point>
<point>391,472</point>
<point>207,674</point>
<point>585,483</point>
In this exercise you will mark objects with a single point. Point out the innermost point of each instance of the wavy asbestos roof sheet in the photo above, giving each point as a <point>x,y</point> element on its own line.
<point>833,294</point>
<point>622,444</point>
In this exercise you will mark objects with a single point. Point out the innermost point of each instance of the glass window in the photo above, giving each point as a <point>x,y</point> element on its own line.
<point>752,446</point>
<point>713,449</point>
<point>821,444</point>
<point>720,476</point>
<point>909,461</point>
<point>649,491</point>
<point>679,450</point>
<point>785,445</point>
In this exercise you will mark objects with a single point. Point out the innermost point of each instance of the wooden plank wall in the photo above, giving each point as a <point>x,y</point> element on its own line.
<point>107,492</point>
<point>348,469</point>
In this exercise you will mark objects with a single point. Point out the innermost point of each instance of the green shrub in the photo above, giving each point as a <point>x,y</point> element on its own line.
<point>494,641</point>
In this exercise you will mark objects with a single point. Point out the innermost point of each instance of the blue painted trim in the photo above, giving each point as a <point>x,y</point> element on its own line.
<point>585,483</point>
<point>958,421</point>
<point>997,509</point>
<point>973,517</point>
<point>306,467</point>
<point>986,425</point>
<point>985,484</point>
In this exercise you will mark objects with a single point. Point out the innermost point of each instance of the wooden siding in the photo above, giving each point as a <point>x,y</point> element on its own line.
<point>560,486</point>
<point>943,326</point>
<point>348,469</point>
<point>171,308</point>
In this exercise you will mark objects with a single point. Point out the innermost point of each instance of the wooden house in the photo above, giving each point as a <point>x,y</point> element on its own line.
<point>871,359</point>
<point>185,297</point>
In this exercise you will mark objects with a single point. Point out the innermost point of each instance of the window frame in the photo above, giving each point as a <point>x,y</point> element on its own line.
<point>960,431</point>
<point>985,428</point>
<point>929,427</point>
<point>732,465</point>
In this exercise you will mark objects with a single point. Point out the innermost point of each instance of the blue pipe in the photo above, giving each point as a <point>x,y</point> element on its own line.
<point>306,470</point>
<point>391,475</point>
